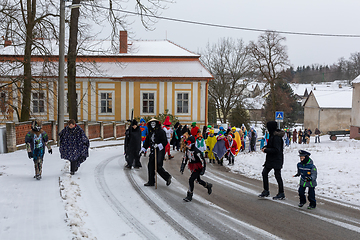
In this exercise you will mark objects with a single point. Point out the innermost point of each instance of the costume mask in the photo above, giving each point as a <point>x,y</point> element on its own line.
<point>153,124</point>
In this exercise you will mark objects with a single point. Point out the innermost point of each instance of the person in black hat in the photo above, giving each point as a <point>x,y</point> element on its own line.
<point>308,174</point>
<point>274,160</point>
<point>133,145</point>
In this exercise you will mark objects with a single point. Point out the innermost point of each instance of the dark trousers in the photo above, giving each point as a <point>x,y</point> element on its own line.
<point>311,195</point>
<point>133,158</point>
<point>265,175</point>
<point>231,158</point>
<point>73,166</point>
<point>151,166</point>
<point>176,144</point>
<point>195,176</point>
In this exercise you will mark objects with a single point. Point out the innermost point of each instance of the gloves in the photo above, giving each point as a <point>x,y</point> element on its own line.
<point>50,151</point>
<point>208,148</point>
<point>143,150</point>
<point>30,155</point>
<point>308,179</point>
<point>182,167</point>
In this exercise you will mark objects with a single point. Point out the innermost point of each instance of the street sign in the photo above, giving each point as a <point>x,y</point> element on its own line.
<point>279,116</point>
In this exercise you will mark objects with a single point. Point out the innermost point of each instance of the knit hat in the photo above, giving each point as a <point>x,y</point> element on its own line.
<point>193,124</point>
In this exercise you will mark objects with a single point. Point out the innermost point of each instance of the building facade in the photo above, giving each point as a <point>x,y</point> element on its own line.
<point>146,77</point>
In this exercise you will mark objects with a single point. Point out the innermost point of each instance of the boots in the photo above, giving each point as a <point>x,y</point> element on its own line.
<point>209,186</point>
<point>264,193</point>
<point>279,196</point>
<point>188,197</point>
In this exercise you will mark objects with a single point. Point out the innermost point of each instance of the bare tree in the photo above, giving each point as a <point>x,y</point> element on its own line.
<point>116,19</point>
<point>228,62</point>
<point>25,24</point>
<point>269,58</point>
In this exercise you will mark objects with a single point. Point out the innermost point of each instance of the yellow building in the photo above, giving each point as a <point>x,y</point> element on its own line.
<point>147,76</point>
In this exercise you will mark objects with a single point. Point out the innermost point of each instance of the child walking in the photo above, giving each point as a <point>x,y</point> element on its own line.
<point>35,141</point>
<point>308,174</point>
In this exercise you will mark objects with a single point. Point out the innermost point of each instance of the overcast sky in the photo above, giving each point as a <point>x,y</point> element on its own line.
<point>311,16</point>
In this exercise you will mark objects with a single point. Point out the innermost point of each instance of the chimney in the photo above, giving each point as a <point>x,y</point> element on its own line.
<point>7,43</point>
<point>123,42</point>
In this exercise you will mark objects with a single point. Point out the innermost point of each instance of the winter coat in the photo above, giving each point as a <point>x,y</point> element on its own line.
<point>32,140</point>
<point>133,140</point>
<point>74,144</point>
<point>305,169</point>
<point>274,147</point>
<point>231,146</point>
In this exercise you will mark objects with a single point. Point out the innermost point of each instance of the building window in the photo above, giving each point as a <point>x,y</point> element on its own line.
<point>38,101</point>
<point>3,102</point>
<point>148,102</point>
<point>182,103</point>
<point>106,102</point>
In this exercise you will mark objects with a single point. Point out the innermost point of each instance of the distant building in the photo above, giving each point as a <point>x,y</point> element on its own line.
<point>328,110</point>
<point>355,111</point>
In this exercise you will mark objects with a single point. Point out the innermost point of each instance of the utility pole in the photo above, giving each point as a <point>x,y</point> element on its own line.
<point>61,81</point>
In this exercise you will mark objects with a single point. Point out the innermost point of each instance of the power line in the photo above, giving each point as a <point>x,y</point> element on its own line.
<point>227,26</point>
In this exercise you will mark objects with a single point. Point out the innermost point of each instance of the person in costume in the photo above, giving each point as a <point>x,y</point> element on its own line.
<point>237,138</point>
<point>169,132</point>
<point>219,149</point>
<point>177,136</point>
<point>197,165</point>
<point>200,143</point>
<point>144,131</point>
<point>194,130</point>
<point>156,140</point>
<point>232,148</point>
<point>35,142</point>
<point>243,128</point>
<point>133,145</point>
<point>74,145</point>
<point>210,143</point>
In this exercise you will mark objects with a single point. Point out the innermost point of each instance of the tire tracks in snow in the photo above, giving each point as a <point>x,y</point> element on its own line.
<point>157,209</point>
<point>116,205</point>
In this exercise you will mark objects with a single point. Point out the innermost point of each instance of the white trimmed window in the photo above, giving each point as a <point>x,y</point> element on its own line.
<point>38,102</point>
<point>148,102</point>
<point>182,102</point>
<point>106,102</point>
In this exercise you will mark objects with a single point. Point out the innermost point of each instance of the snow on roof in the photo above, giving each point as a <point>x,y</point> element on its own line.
<point>104,48</point>
<point>333,98</point>
<point>356,80</point>
<point>254,103</point>
<point>299,89</point>
<point>190,69</point>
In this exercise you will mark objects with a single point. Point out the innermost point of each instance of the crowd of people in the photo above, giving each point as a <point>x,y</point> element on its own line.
<point>197,145</point>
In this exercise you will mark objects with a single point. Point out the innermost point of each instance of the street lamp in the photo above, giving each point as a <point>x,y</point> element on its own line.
<point>61,81</point>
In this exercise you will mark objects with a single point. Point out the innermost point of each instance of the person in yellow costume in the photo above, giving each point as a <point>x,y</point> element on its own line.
<point>210,143</point>
<point>237,138</point>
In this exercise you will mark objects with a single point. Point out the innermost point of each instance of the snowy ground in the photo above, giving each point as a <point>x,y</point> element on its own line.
<point>60,206</point>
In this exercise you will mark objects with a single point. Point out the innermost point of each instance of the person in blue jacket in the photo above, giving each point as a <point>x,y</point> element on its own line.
<point>308,174</point>
<point>35,142</point>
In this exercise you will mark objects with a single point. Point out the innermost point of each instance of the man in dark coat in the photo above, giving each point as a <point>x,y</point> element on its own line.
<point>133,145</point>
<point>74,145</point>
<point>156,140</point>
<point>274,159</point>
